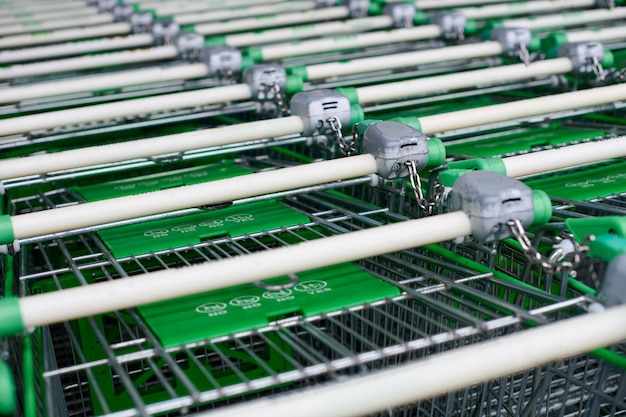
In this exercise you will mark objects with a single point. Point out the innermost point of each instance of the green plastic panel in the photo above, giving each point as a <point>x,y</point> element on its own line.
<point>171,233</point>
<point>518,142</point>
<point>585,184</point>
<point>161,181</point>
<point>244,307</point>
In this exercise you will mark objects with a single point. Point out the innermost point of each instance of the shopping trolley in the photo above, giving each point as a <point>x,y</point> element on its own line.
<point>379,312</point>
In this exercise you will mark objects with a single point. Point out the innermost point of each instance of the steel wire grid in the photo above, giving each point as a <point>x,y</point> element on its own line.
<point>508,256</point>
<point>442,306</point>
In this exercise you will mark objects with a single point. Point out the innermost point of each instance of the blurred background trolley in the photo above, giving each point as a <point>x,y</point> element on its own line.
<point>497,293</point>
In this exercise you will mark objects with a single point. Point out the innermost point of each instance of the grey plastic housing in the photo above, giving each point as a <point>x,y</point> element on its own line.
<point>584,55</point>
<point>511,39</point>
<point>612,289</point>
<point>222,60</point>
<point>106,6</point>
<point>189,45</point>
<point>261,77</point>
<point>165,31</point>
<point>452,24</point>
<point>402,14</point>
<point>317,106</point>
<point>490,200</point>
<point>141,22</point>
<point>122,12</point>
<point>357,8</point>
<point>606,4</point>
<point>392,145</point>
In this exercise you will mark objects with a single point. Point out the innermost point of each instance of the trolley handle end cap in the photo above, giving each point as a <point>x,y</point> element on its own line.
<point>7,235</point>
<point>11,322</point>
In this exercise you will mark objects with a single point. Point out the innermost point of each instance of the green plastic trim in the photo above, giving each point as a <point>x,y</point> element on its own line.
<point>364,124</point>
<point>481,164</point>
<point>412,121</point>
<point>420,18</point>
<point>580,287</point>
<point>29,378</point>
<point>246,62</point>
<point>611,357</point>
<point>448,177</point>
<point>8,400</point>
<point>156,16</point>
<point>6,230</point>
<point>471,27</point>
<point>356,114</point>
<point>255,53</point>
<point>350,93</point>
<point>375,9</point>
<point>495,24</point>
<point>294,84</point>
<point>215,40</point>
<point>299,71</point>
<point>10,317</point>
<point>607,247</point>
<point>535,44</point>
<point>597,226</point>
<point>188,28</point>
<point>542,207</point>
<point>553,41</point>
<point>436,152</point>
<point>609,59</point>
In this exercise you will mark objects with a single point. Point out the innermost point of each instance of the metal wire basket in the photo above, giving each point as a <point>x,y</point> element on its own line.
<point>395,309</point>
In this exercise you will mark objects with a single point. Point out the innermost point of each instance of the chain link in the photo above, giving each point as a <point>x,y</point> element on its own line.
<point>279,99</point>
<point>226,77</point>
<point>426,205</point>
<point>597,69</point>
<point>524,55</point>
<point>459,31</point>
<point>345,148</point>
<point>552,264</point>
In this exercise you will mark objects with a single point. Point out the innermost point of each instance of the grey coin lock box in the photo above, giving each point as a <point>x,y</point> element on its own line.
<point>401,14</point>
<point>490,200</point>
<point>317,107</point>
<point>189,44</point>
<point>584,55</point>
<point>357,8</point>
<point>141,22</point>
<point>613,287</point>
<point>452,24</point>
<point>262,77</point>
<point>106,6</point>
<point>122,12</point>
<point>165,31</point>
<point>222,59</point>
<point>393,144</point>
<point>512,39</point>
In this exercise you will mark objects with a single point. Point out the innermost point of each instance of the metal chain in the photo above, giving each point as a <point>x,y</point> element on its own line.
<point>345,148</point>
<point>459,32</point>
<point>279,99</point>
<point>226,77</point>
<point>597,69</point>
<point>551,264</point>
<point>524,55</point>
<point>426,205</point>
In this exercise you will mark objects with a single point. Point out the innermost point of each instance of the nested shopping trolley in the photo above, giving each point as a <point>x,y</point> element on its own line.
<point>212,351</point>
